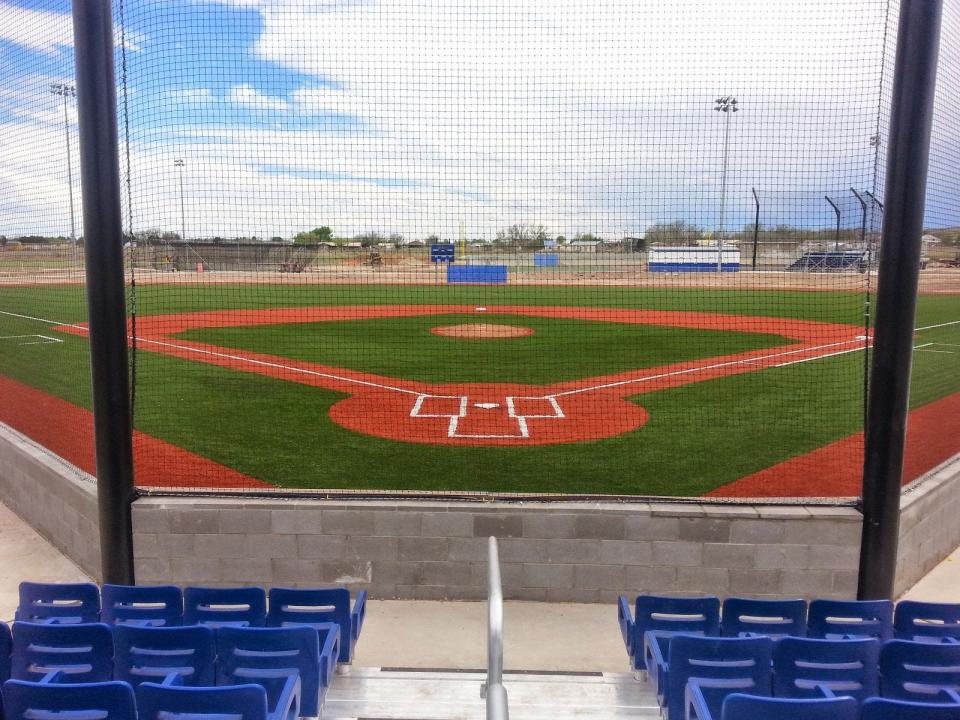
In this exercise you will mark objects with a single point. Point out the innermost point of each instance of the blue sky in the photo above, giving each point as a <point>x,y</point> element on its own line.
<point>415,116</point>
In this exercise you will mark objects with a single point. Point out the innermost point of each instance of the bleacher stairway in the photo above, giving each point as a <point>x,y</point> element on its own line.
<point>402,694</point>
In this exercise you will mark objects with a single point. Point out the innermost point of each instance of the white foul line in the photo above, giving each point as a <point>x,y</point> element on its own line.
<point>931,327</point>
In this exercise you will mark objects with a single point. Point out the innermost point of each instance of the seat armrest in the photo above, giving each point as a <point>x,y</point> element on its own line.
<point>625,620</point>
<point>655,661</point>
<point>695,703</point>
<point>329,652</point>
<point>357,615</point>
<point>288,701</point>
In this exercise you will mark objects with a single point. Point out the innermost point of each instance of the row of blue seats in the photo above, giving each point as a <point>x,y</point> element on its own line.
<point>741,706</point>
<point>183,656</point>
<point>117,700</point>
<point>738,617</point>
<point>168,605</point>
<point>696,673</point>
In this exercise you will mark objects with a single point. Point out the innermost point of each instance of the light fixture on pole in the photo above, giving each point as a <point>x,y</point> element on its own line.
<point>727,105</point>
<point>67,91</point>
<point>178,163</point>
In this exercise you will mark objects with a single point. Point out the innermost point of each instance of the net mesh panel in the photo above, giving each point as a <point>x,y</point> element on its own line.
<point>44,371</point>
<point>296,175</point>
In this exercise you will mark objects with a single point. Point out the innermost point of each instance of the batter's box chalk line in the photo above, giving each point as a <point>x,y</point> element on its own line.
<point>457,407</point>
<point>30,339</point>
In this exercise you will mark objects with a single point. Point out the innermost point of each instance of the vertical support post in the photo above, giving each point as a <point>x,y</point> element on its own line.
<point>103,248</point>
<point>863,221</point>
<point>908,157</point>
<point>836,237</point>
<point>756,226</point>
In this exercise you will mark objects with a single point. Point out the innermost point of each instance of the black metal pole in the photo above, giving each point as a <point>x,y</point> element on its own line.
<point>103,248</point>
<point>756,227</point>
<point>908,156</point>
<point>863,222</point>
<point>836,237</point>
<point>874,198</point>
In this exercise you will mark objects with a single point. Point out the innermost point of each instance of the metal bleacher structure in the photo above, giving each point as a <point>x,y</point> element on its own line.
<point>122,653</point>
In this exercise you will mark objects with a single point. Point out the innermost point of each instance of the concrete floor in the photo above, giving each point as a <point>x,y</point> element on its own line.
<point>451,635</point>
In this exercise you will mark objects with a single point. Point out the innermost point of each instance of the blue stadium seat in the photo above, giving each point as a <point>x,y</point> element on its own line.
<point>6,647</point>
<point>839,619</point>
<point>83,653</point>
<point>169,701</point>
<point>665,616</point>
<point>150,654</point>
<point>59,603</point>
<point>312,606</point>
<point>225,607</point>
<point>720,665</point>
<point>813,668</point>
<point>103,701</point>
<point>926,621</point>
<point>919,671</point>
<point>748,707</point>
<point>774,618</point>
<point>886,709</point>
<point>264,654</point>
<point>145,605</point>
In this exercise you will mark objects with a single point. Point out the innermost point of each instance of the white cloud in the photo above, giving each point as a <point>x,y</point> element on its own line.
<point>247,96</point>
<point>40,30</point>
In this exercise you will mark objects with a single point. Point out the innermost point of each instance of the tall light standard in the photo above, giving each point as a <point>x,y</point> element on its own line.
<point>67,91</point>
<point>183,215</point>
<point>727,105</point>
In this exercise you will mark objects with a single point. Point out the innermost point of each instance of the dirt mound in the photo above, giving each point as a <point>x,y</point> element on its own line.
<point>482,331</point>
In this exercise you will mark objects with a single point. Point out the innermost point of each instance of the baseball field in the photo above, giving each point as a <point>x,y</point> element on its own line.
<point>733,390</point>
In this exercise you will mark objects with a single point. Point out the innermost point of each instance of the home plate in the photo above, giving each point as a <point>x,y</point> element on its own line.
<point>486,405</point>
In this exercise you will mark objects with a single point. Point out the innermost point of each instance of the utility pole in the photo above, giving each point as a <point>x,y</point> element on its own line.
<point>67,91</point>
<point>727,105</point>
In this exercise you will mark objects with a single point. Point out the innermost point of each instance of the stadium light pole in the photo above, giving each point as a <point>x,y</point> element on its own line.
<point>178,163</point>
<point>67,91</point>
<point>908,158</point>
<point>727,105</point>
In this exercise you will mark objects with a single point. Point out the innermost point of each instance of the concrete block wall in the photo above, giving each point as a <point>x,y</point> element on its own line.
<point>579,552</point>
<point>929,523</point>
<point>56,498</point>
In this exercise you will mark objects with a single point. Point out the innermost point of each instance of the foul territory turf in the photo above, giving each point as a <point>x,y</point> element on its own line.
<point>697,436</point>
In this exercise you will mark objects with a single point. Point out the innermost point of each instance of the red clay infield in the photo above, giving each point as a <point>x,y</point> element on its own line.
<point>477,414</point>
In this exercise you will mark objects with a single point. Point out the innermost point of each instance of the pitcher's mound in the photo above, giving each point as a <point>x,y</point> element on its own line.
<point>482,331</point>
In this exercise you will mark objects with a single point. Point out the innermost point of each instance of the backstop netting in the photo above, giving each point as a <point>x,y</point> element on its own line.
<point>509,247</point>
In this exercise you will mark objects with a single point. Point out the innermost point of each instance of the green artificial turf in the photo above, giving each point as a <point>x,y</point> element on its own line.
<point>698,437</point>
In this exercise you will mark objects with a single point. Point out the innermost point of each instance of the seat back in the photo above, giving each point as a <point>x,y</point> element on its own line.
<point>775,618</point>
<point>926,621</point>
<point>83,653</point>
<point>739,663</point>
<point>103,700</point>
<point>162,702</point>
<point>225,607</point>
<point>918,670</point>
<point>313,606</point>
<point>59,602</point>
<point>839,619</point>
<point>152,605</point>
<point>801,666</point>
<point>149,654</point>
<point>249,654</point>
<point>6,647</point>
<point>747,707</point>
<point>886,709</point>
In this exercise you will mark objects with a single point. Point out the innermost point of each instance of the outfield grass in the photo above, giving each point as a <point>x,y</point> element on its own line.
<point>699,436</point>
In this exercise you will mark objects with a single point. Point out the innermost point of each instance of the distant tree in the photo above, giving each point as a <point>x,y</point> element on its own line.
<point>276,239</point>
<point>369,239</point>
<point>587,237</point>
<point>432,239</point>
<point>3,240</point>
<point>396,239</point>
<point>560,240</point>
<point>524,235</point>
<point>677,232</point>
<point>311,237</point>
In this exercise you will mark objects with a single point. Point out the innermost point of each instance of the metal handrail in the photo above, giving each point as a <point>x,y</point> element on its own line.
<point>496,694</point>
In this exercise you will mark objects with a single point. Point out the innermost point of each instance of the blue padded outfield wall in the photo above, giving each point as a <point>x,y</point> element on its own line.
<point>546,260</point>
<point>693,259</point>
<point>488,274</point>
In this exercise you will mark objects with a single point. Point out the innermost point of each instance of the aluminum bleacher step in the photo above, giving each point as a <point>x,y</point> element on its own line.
<point>393,694</point>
